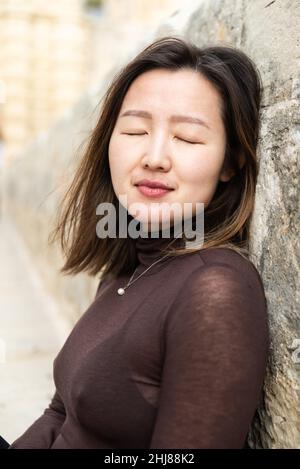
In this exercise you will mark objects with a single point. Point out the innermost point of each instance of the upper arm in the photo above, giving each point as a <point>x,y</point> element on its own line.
<point>216,342</point>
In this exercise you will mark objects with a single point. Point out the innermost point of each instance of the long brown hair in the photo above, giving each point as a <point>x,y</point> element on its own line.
<point>228,216</point>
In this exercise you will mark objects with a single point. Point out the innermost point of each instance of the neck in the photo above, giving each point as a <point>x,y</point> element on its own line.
<point>149,245</point>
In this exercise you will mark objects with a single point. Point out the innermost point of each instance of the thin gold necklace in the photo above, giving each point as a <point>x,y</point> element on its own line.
<point>121,291</point>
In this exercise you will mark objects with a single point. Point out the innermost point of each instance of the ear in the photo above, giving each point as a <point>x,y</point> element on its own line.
<point>227,173</point>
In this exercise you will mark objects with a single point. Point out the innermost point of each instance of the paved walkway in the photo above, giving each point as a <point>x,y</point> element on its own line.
<point>31,334</point>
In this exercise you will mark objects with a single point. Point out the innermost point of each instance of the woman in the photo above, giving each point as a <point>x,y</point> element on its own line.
<point>173,350</point>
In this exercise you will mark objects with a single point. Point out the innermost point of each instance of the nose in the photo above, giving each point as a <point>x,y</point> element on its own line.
<point>156,156</point>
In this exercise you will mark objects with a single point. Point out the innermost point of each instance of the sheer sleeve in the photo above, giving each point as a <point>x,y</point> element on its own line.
<point>42,433</point>
<point>216,347</point>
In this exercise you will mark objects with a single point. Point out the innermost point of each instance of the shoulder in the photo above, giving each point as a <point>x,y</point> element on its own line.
<point>205,259</point>
<point>223,284</point>
<point>228,256</point>
<point>226,262</point>
<point>222,303</point>
<point>103,281</point>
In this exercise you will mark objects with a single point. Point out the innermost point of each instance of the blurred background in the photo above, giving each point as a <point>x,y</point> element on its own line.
<point>56,60</point>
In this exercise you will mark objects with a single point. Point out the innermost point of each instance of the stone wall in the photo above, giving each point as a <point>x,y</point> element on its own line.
<point>268,32</point>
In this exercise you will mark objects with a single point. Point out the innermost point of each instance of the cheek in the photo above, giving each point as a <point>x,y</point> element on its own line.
<point>200,176</point>
<point>118,161</point>
<point>200,168</point>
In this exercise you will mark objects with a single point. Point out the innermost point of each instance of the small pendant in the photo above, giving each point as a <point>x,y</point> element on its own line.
<point>121,291</point>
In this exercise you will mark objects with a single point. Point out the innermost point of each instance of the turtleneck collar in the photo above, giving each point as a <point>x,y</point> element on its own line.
<point>149,248</point>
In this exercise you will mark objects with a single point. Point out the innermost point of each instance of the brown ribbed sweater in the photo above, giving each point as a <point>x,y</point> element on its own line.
<point>177,362</point>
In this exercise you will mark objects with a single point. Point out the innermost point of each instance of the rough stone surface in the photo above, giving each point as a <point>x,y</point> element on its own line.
<point>267,31</point>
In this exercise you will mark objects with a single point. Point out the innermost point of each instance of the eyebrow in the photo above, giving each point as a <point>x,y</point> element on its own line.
<point>174,118</point>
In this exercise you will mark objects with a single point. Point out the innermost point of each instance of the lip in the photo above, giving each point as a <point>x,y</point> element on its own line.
<point>154,184</point>
<point>152,191</point>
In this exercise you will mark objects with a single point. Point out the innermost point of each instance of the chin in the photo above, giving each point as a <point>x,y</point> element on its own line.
<point>151,223</point>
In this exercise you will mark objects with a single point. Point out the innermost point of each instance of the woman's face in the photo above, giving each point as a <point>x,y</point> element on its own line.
<point>165,146</point>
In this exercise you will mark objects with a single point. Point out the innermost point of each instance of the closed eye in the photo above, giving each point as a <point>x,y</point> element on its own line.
<point>187,141</point>
<point>181,139</point>
<point>133,134</point>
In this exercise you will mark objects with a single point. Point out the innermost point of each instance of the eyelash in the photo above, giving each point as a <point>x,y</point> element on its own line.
<point>181,139</point>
